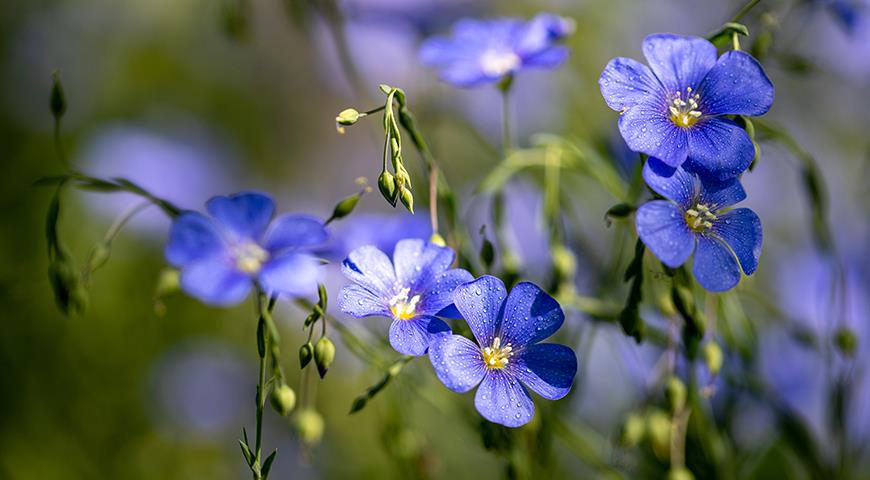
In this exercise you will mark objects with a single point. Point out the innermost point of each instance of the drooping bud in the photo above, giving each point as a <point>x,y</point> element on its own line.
<point>306,353</point>
<point>387,186</point>
<point>344,207</point>
<point>309,426</point>
<point>633,430</point>
<point>675,391</point>
<point>713,357</point>
<point>348,117</point>
<point>407,199</point>
<point>658,430</point>
<point>324,354</point>
<point>846,341</point>
<point>283,399</point>
<point>69,289</point>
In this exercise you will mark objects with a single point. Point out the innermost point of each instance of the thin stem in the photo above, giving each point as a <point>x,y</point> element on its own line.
<point>505,87</point>
<point>743,11</point>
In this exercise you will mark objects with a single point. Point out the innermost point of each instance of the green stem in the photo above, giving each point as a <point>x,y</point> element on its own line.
<point>505,87</point>
<point>743,11</point>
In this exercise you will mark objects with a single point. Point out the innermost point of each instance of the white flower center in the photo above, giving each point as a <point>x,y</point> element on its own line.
<point>700,218</point>
<point>684,109</point>
<point>250,257</point>
<point>402,307</point>
<point>496,63</point>
<point>496,356</point>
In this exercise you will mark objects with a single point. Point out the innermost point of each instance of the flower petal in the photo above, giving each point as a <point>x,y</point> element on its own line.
<point>291,274</point>
<point>626,82</point>
<point>295,230</point>
<point>736,85</point>
<point>719,150</point>
<point>457,362</point>
<point>662,228</point>
<point>370,268</point>
<point>676,185</point>
<point>548,58</point>
<point>193,237</point>
<point>360,302</point>
<point>412,336</point>
<point>480,303</point>
<point>539,33</point>
<point>646,128</point>
<point>215,282</point>
<point>502,399</point>
<point>548,369</point>
<point>530,315</point>
<point>438,293</point>
<point>466,74</point>
<point>679,61</point>
<point>718,195</point>
<point>416,261</point>
<point>245,214</point>
<point>740,229</point>
<point>715,267</point>
<point>439,51</point>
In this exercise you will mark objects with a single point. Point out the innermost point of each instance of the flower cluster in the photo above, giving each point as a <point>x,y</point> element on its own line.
<point>680,111</point>
<point>223,255</point>
<point>419,286</point>
<point>487,51</point>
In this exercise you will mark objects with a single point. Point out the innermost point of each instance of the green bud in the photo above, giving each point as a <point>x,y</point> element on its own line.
<point>713,357</point>
<point>407,199</point>
<point>344,207</point>
<point>69,290</point>
<point>306,353</point>
<point>846,341</point>
<point>675,391</point>
<point>322,297</point>
<point>658,430</point>
<point>680,473</point>
<point>385,88</point>
<point>618,211</point>
<point>387,186</point>
<point>57,100</point>
<point>487,253</point>
<point>564,261</point>
<point>633,430</point>
<point>283,399</point>
<point>309,426</point>
<point>348,117</point>
<point>324,354</point>
<point>438,240</point>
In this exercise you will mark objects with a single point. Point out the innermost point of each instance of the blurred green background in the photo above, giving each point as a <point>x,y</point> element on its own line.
<point>203,97</point>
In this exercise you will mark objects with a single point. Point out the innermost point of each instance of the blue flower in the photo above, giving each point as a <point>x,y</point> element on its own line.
<point>507,354</point>
<point>220,257</point>
<point>418,289</point>
<point>673,110</point>
<point>692,219</point>
<point>486,51</point>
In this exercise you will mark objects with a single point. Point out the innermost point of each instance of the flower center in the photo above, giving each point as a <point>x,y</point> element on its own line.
<point>700,218</point>
<point>496,63</point>
<point>684,109</point>
<point>496,356</point>
<point>402,307</point>
<point>250,257</point>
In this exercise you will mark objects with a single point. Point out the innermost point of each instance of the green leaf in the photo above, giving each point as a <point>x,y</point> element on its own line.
<point>246,451</point>
<point>267,465</point>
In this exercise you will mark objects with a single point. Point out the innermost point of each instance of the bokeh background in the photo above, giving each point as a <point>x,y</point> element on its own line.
<point>201,97</point>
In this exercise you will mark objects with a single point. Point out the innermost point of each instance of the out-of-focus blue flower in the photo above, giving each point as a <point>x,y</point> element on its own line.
<point>507,354</point>
<point>486,51</point>
<point>415,291</point>
<point>220,257</point>
<point>381,230</point>
<point>692,219</point>
<point>673,110</point>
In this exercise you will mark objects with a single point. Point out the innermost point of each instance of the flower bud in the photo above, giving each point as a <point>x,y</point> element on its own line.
<point>57,100</point>
<point>306,353</point>
<point>675,391</point>
<point>348,117</point>
<point>564,262</point>
<point>387,186</point>
<point>69,290</point>
<point>487,253</point>
<point>344,207</point>
<point>846,341</point>
<point>283,399</point>
<point>324,354</point>
<point>407,199</point>
<point>633,430</point>
<point>713,357</point>
<point>309,426</point>
<point>658,430</point>
<point>680,473</point>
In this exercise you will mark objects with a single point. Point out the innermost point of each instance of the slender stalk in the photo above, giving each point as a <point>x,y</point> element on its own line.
<point>505,87</point>
<point>743,11</point>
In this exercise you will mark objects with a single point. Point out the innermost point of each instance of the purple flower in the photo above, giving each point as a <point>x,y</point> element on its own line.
<point>412,294</point>
<point>220,257</point>
<point>673,110</point>
<point>486,51</point>
<point>692,219</point>
<point>507,354</point>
